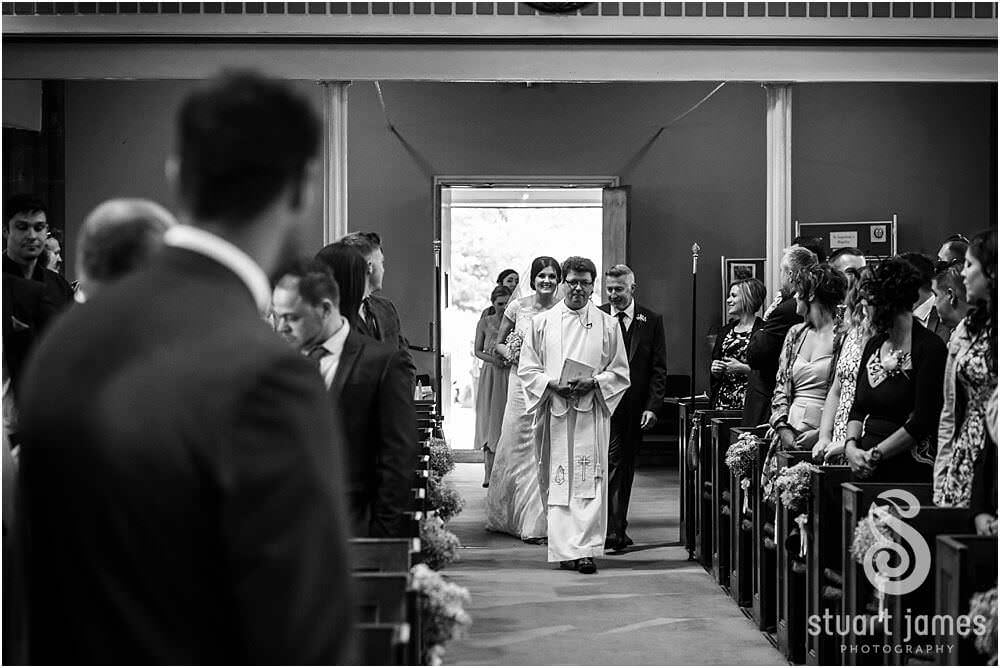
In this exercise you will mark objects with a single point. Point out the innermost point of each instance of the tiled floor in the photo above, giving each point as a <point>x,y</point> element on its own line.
<point>648,606</point>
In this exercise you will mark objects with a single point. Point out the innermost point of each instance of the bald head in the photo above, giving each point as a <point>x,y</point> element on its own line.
<point>117,238</point>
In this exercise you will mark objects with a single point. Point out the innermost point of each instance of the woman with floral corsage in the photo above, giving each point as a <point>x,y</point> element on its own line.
<point>513,500</point>
<point>898,397</point>
<point>971,379</point>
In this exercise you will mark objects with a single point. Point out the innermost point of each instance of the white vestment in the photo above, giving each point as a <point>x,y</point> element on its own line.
<point>571,435</point>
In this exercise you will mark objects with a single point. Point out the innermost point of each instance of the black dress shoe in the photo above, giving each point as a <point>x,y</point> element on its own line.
<point>568,565</point>
<point>614,544</point>
<point>586,566</point>
<point>628,541</point>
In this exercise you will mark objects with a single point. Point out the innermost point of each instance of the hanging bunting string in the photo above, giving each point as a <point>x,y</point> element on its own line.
<point>645,148</point>
<point>422,162</point>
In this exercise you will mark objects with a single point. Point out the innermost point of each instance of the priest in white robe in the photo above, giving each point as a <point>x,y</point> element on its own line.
<point>572,404</point>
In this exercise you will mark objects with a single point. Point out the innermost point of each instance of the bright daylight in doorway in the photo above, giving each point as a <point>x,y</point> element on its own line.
<point>493,229</point>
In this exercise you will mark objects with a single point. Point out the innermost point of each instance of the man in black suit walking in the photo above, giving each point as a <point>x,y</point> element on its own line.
<point>765,343</point>
<point>370,382</point>
<point>181,466</point>
<point>642,331</point>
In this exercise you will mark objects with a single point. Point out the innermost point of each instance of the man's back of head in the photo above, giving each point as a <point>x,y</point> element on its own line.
<point>118,237</point>
<point>243,143</point>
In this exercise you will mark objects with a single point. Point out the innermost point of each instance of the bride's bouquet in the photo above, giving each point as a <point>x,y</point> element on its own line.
<point>513,343</point>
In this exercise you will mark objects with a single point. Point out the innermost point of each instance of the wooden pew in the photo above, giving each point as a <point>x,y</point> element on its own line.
<point>684,409</point>
<point>722,497</point>
<point>741,538</point>
<point>383,644</point>
<point>790,580</point>
<point>930,523</point>
<point>966,565</point>
<point>384,555</point>
<point>824,581</point>
<point>764,566</point>
<point>858,593</point>
<point>704,482</point>
<point>381,596</point>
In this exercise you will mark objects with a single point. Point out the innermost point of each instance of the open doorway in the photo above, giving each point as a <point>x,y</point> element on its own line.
<point>485,229</point>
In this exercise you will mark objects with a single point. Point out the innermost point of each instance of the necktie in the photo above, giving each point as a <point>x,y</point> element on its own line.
<point>317,353</point>
<point>621,323</point>
<point>370,321</point>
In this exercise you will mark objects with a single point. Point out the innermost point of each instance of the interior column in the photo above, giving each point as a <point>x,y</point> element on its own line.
<point>779,179</point>
<point>334,160</point>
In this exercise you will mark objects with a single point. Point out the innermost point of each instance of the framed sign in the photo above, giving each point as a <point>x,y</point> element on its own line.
<point>736,269</point>
<point>876,239</point>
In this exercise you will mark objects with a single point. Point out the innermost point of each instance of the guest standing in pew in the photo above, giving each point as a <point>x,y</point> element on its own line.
<point>765,343</point>
<point>368,381</point>
<point>181,466</point>
<point>853,332</point>
<point>806,367</point>
<point>970,378</point>
<point>728,382</point>
<point>953,249</point>
<point>492,395</point>
<point>646,348</point>
<point>893,424</point>
<point>507,278</point>
<point>984,481</point>
<point>924,309</point>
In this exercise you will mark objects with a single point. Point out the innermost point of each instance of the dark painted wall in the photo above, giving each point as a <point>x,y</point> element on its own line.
<point>926,152</point>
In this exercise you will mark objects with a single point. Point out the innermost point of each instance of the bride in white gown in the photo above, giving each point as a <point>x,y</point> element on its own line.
<point>513,502</point>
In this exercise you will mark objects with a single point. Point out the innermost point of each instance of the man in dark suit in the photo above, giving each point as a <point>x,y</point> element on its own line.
<point>181,466</point>
<point>765,343</point>
<point>27,309</point>
<point>370,382</point>
<point>642,331</point>
<point>25,229</point>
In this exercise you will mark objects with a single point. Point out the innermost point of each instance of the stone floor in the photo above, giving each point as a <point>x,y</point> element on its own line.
<point>647,606</point>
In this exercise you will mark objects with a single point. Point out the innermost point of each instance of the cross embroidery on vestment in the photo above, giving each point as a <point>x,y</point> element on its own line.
<point>583,461</point>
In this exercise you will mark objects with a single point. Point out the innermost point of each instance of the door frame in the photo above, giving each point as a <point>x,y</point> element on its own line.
<point>442,248</point>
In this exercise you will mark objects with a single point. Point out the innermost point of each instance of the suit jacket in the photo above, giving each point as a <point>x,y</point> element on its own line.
<point>27,309</point>
<point>389,329</point>
<point>938,326</point>
<point>182,482</point>
<point>647,362</point>
<point>762,358</point>
<point>372,386</point>
<point>58,290</point>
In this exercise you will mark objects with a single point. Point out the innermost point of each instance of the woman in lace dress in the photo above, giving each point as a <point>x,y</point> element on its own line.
<point>854,330</point>
<point>975,376</point>
<point>728,385</point>
<point>513,501</point>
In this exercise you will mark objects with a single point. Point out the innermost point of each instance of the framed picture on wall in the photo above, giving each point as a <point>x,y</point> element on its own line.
<point>876,239</point>
<point>736,269</point>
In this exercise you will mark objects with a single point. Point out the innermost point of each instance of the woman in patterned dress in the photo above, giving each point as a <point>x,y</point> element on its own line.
<point>728,384</point>
<point>975,376</point>
<point>853,332</point>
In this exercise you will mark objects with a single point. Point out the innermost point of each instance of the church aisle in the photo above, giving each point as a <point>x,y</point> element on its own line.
<point>648,606</point>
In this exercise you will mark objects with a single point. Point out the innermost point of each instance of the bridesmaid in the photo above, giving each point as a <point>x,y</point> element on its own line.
<point>492,395</point>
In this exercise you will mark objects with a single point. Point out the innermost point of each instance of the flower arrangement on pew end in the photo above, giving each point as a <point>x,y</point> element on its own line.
<point>793,484</point>
<point>740,458</point>
<point>442,612</point>
<point>871,532</point>
<point>985,604</point>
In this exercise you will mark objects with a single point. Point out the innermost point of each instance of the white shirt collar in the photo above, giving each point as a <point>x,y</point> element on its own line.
<point>335,344</point>
<point>228,255</point>
<point>923,312</point>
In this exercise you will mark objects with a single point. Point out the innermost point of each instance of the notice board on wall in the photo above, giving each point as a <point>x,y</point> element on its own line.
<point>875,238</point>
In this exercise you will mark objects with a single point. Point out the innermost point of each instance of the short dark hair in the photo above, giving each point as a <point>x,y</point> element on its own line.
<point>579,265</point>
<point>350,269</point>
<point>365,243</point>
<point>543,262</point>
<point>315,282</point>
<point>815,244</point>
<point>924,266</point>
<point>242,141</point>
<point>112,247</point>
<point>22,203</point>
<point>504,274</point>
<point>850,250</point>
<point>890,288</point>
<point>949,274</point>
<point>956,246</point>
